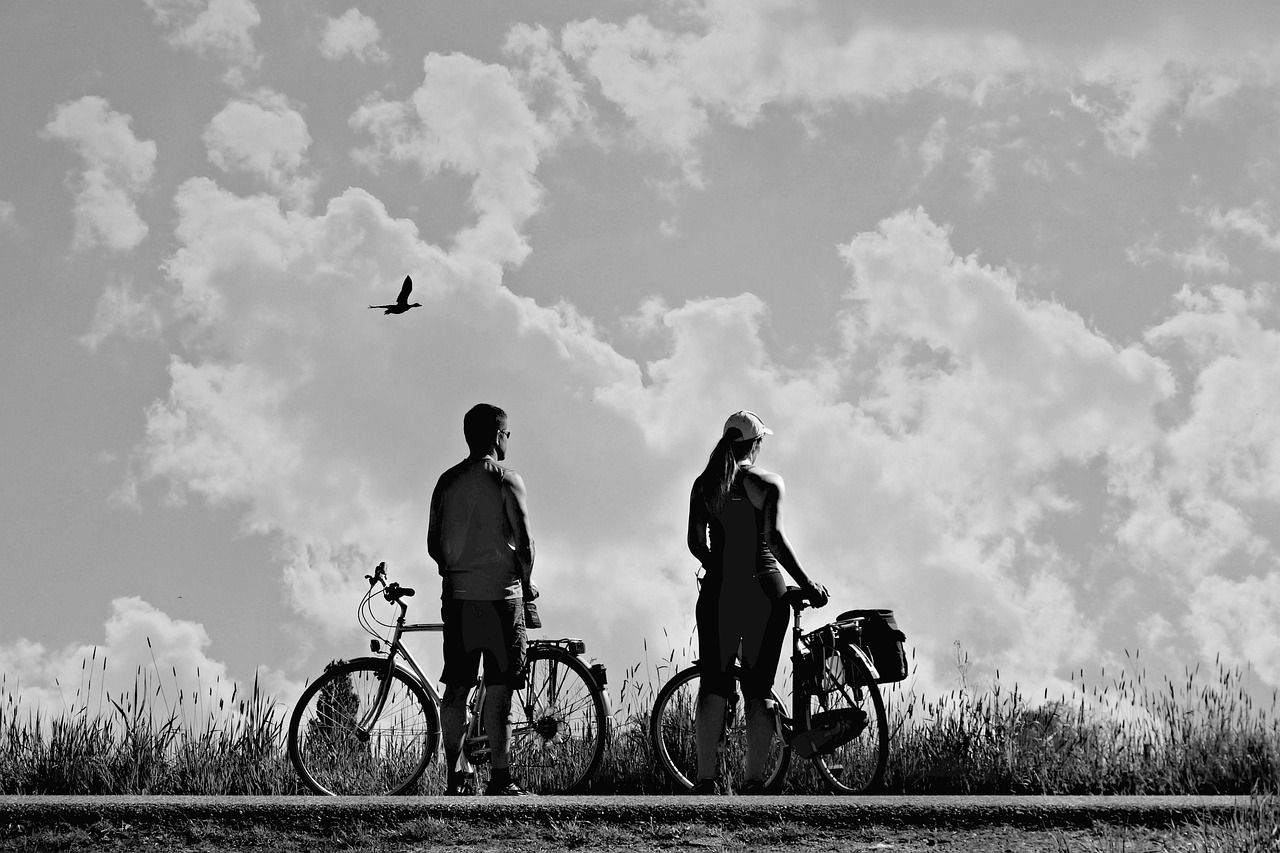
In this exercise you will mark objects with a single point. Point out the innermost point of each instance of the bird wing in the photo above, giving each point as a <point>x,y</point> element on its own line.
<point>403,298</point>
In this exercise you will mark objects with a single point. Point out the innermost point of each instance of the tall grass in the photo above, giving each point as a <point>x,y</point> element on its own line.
<point>1190,735</point>
<point>144,740</point>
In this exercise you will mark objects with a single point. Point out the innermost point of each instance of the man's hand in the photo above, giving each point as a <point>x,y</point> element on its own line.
<point>530,591</point>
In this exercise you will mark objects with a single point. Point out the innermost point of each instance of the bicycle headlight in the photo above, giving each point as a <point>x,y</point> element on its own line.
<point>577,647</point>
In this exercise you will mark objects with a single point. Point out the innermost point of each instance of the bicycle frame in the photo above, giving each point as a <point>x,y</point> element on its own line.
<point>800,695</point>
<point>475,733</point>
<point>398,648</point>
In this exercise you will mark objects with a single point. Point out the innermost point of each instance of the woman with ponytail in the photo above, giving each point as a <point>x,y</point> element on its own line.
<point>735,532</point>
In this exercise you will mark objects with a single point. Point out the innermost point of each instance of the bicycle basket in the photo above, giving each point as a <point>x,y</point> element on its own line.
<point>877,632</point>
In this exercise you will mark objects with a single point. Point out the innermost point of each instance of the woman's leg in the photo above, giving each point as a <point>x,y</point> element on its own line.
<point>760,733</point>
<point>708,728</point>
<point>714,683</point>
<point>760,655</point>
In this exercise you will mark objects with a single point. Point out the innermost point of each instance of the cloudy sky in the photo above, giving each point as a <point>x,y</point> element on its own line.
<point>1003,283</point>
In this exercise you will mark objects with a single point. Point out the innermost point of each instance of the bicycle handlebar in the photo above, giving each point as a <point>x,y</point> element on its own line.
<point>392,592</point>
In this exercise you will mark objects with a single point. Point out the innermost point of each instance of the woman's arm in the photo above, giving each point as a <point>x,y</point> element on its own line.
<point>773,490</point>
<point>697,535</point>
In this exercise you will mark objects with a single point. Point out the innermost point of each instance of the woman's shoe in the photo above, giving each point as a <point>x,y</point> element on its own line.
<point>752,787</point>
<point>708,786</point>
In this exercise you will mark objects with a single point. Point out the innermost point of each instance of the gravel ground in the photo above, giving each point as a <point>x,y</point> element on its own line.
<point>316,824</point>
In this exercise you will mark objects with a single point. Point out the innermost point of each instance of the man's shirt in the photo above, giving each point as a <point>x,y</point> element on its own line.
<point>477,543</point>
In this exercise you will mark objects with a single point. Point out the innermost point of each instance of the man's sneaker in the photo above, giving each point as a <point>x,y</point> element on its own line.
<point>752,787</point>
<point>464,786</point>
<point>511,789</point>
<point>708,786</point>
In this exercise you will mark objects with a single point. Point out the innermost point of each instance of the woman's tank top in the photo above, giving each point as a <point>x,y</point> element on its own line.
<point>738,545</point>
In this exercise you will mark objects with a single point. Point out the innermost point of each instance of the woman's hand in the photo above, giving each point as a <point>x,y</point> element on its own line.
<point>817,594</point>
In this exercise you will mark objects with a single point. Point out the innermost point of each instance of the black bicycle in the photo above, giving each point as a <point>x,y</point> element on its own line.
<point>371,726</point>
<point>837,718</point>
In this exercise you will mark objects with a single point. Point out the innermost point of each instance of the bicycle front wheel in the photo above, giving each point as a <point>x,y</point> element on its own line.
<point>338,752</point>
<point>559,724</point>
<point>857,766</point>
<point>671,732</point>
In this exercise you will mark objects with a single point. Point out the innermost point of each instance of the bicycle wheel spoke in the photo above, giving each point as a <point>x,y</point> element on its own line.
<point>336,749</point>
<point>858,764</point>
<point>673,734</point>
<point>557,724</point>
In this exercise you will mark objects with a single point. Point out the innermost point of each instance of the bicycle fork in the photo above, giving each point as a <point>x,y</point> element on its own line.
<point>475,741</point>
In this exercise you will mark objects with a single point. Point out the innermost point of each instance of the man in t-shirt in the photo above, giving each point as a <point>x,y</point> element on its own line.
<point>479,538</point>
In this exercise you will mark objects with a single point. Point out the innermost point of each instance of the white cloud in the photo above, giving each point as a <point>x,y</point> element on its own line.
<point>221,29</point>
<point>352,34</point>
<point>746,56</point>
<point>933,147</point>
<point>266,138</point>
<point>1204,257</point>
<point>730,61</point>
<point>1169,75</point>
<point>121,312</point>
<point>981,174</point>
<point>1197,492</point>
<point>1255,223</point>
<point>1236,619</point>
<point>118,166</point>
<point>470,118</point>
<point>547,83</point>
<point>166,659</point>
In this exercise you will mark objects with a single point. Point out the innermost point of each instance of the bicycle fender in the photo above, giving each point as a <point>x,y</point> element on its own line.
<point>862,657</point>
<point>378,662</point>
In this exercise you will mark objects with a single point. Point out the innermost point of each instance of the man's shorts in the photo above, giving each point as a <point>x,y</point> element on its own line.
<point>492,629</point>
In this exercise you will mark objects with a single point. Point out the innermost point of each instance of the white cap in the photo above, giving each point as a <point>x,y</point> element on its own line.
<point>747,423</point>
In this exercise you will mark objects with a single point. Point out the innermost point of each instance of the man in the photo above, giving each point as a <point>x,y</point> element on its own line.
<point>479,538</point>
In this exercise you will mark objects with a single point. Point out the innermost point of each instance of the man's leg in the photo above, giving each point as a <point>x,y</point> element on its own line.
<point>504,668</point>
<point>497,725</point>
<point>460,669</point>
<point>453,723</point>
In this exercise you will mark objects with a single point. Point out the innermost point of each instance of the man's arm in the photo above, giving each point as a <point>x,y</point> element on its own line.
<point>515,504</point>
<point>774,490</point>
<point>435,543</point>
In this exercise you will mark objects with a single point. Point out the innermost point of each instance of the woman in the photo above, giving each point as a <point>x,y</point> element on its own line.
<point>735,532</point>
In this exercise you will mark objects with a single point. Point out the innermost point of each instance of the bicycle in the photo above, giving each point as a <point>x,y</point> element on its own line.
<point>837,718</point>
<point>371,726</point>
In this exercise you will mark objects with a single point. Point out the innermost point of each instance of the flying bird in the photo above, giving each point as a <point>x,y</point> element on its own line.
<point>401,304</point>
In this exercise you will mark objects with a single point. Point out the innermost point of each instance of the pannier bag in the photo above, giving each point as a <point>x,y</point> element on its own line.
<point>882,640</point>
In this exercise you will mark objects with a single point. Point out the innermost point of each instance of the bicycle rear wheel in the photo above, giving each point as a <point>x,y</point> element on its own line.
<point>334,757</point>
<point>857,766</point>
<point>671,732</point>
<point>559,724</point>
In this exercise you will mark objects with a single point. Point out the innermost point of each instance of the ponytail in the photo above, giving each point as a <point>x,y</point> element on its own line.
<point>715,481</point>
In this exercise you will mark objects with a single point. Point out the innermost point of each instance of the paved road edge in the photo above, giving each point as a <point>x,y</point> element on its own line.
<point>27,813</point>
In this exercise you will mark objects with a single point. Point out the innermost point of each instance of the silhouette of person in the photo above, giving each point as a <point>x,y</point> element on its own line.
<point>736,533</point>
<point>479,539</point>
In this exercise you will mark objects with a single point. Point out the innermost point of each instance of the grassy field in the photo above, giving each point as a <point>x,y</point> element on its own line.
<point>1199,735</point>
<point>1196,735</point>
